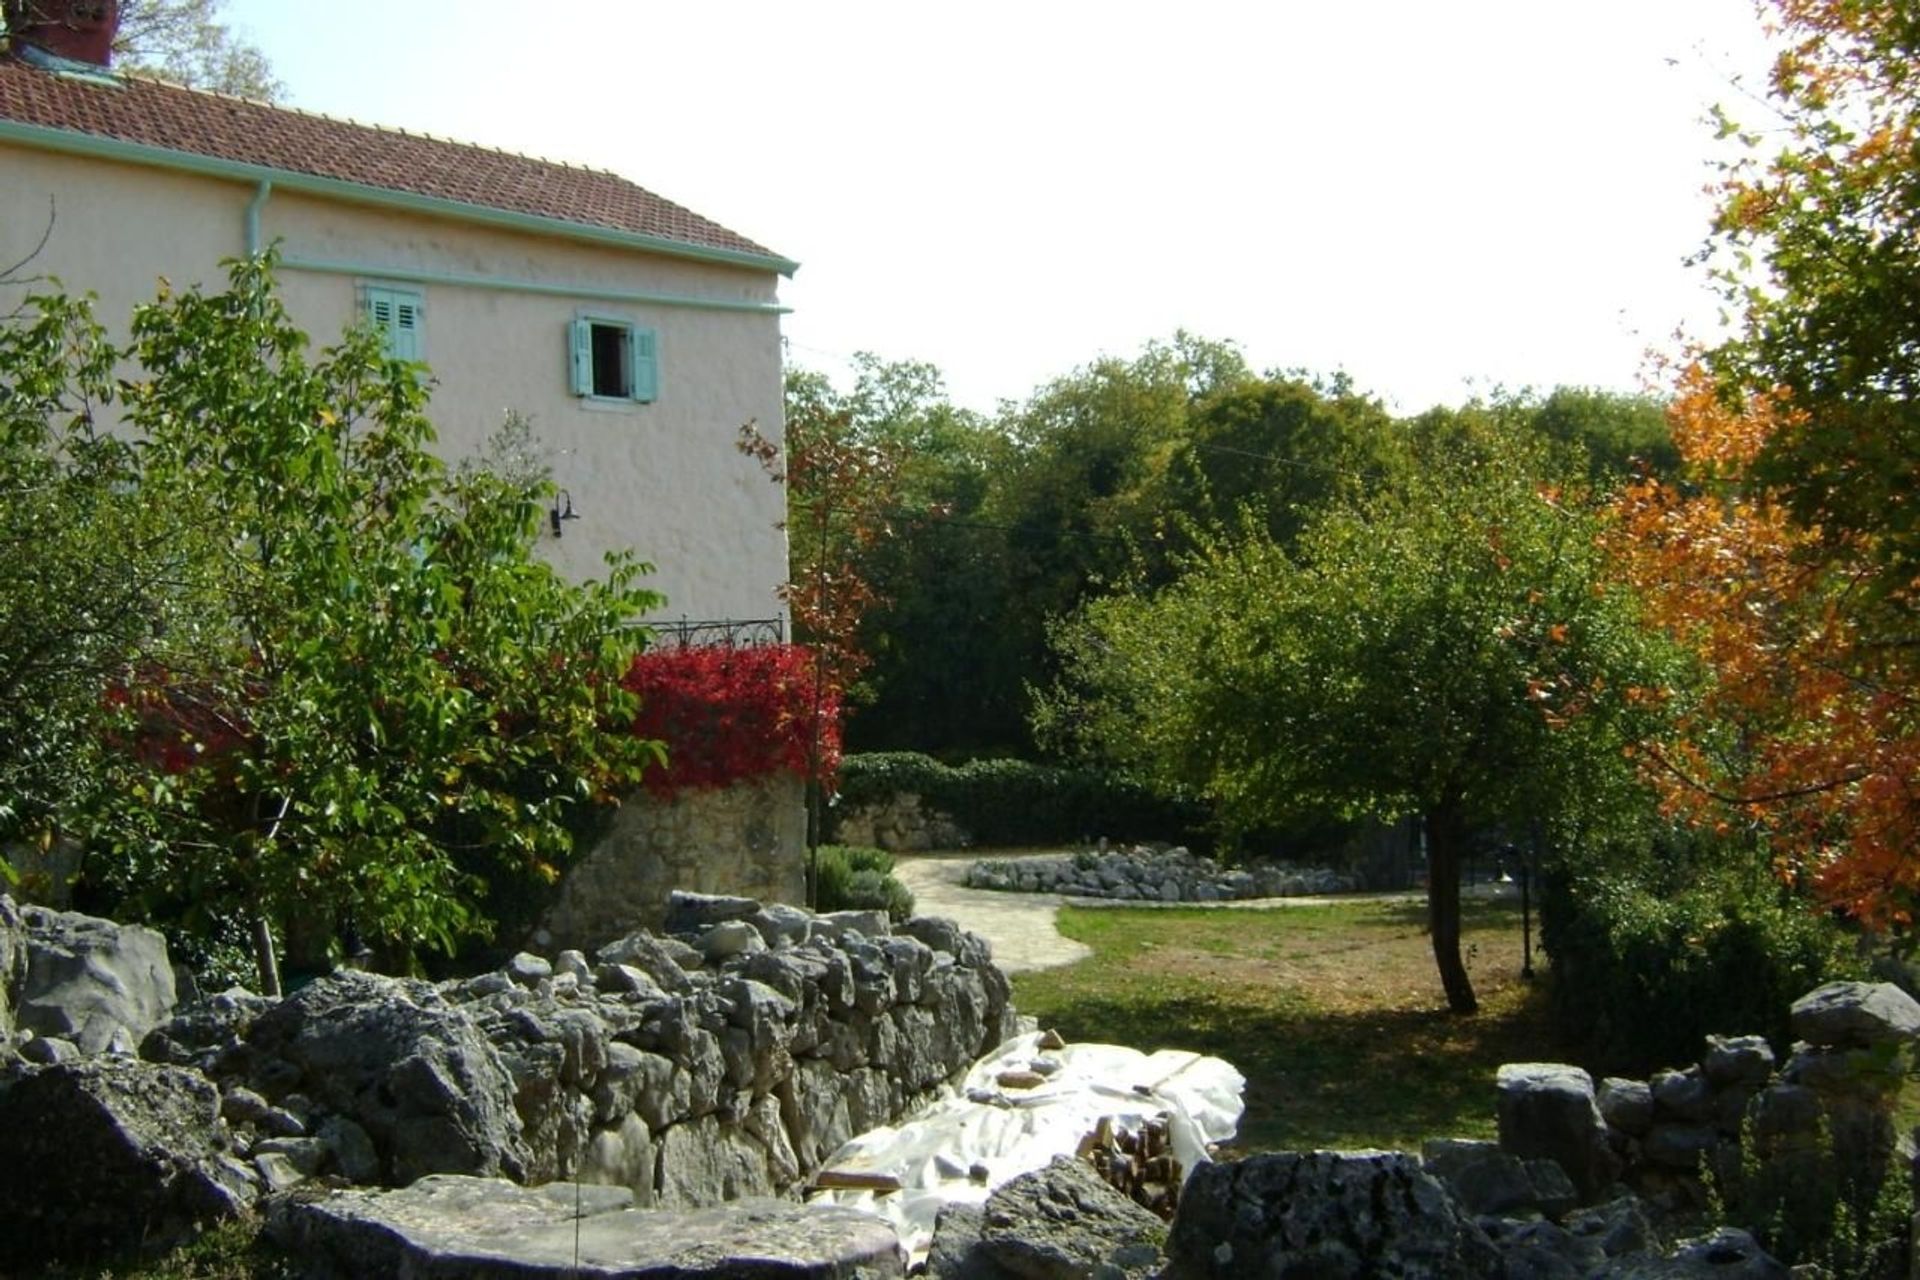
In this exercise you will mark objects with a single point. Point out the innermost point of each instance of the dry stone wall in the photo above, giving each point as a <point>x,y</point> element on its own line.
<point>725,1057</point>
<point>747,839</point>
<point>1145,874</point>
<point>900,823</point>
<point>1824,1115</point>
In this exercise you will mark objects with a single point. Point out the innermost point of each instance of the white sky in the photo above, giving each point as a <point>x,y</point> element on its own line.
<point>1435,197</point>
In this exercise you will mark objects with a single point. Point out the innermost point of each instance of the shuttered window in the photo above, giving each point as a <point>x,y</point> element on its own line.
<point>398,315</point>
<point>611,359</point>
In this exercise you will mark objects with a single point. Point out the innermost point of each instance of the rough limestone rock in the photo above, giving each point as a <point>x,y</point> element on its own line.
<point>1727,1254</point>
<point>401,1062</point>
<point>527,969</point>
<point>942,934</point>
<point>1619,1227</point>
<point>110,1153</point>
<point>452,1228</point>
<point>694,912</point>
<point>730,938</point>
<point>622,1157</point>
<point>704,1161</point>
<point>209,1035</point>
<point>1626,1105</point>
<point>1487,1180</point>
<point>869,924</point>
<point>1547,1111</point>
<point>956,1252</point>
<point>1683,1095</point>
<point>1144,874</point>
<point>1063,1222</point>
<point>99,984</point>
<point>782,925</point>
<point>650,956</point>
<point>1536,1249</point>
<point>13,964</point>
<point>1738,1060</point>
<point>1855,1015</point>
<point>1325,1214</point>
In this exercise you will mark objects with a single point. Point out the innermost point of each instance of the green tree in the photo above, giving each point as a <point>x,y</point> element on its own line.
<point>842,489</point>
<point>1282,447</point>
<point>368,676</point>
<point>85,563</point>
<point>1080,502</point>
<point>1085,496</point>
<point>179,40</point>
<point>1613,436</point>
<point>1447,650</point>
<point>937,676</point>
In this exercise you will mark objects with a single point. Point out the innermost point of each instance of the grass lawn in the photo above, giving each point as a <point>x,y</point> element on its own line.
<point>1333,1013</point>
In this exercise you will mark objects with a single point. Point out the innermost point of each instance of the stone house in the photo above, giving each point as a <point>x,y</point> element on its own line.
<point>636,334</point>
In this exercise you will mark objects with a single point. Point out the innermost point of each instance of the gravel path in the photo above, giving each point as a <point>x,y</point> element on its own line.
<point>1020,926</point>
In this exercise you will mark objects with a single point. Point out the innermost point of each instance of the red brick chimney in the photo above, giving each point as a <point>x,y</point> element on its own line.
<point>82,30</point>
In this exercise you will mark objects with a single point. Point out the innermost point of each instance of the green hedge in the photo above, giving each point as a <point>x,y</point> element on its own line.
<point>1642,973</point>
<point>859,878</point>
<point>1013,802</point>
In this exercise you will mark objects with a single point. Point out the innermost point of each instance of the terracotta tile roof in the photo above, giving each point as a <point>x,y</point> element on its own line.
<point>155,114</point>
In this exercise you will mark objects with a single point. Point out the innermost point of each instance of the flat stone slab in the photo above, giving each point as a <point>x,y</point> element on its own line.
<point>1848,1014</point>
<point>448,1227</point>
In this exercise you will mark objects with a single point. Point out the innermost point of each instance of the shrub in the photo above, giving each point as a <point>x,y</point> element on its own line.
<point>1014,802</point>
<point>731,714</point>
<point>1806,1206</point>
<point>858,878</point>
<point>1642,972</point>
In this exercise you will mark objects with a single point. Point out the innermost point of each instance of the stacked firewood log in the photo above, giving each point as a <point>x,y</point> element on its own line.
<point>1139,1163</point>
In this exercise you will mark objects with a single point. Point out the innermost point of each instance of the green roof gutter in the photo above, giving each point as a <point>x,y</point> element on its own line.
<point>73,142</point>
<point>549,288</point>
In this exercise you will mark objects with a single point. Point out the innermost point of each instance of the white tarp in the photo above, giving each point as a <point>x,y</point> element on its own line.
<point>1014,1131</point>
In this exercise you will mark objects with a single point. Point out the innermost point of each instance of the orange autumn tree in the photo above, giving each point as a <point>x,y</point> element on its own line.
<point>1794,567</point>
<point>1807,730</point>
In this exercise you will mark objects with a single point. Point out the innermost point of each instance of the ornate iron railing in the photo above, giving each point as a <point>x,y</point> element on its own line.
<point>739,633</point>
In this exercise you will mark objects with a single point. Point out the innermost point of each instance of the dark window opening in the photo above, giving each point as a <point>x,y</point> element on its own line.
<point>612,375</point>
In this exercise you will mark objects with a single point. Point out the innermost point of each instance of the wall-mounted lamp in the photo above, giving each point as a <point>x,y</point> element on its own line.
<point>562,510</point>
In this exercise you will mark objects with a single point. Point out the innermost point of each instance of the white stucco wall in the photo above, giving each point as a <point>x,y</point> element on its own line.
<point>664,479</point>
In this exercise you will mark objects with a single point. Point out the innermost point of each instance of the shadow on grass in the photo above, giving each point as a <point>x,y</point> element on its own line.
<point>1387,1078</point>
<point>1331,1011</point>
<point>1500,912</point>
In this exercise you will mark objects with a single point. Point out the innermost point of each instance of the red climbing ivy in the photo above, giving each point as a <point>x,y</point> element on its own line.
<point>731,715</point>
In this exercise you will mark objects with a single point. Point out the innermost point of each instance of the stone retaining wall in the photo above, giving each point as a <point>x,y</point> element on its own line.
<point>726,1057</point>
<point>1145,875</point>
<point>747,839</point>
<point>900,823</point>
<point>1825,1115</point>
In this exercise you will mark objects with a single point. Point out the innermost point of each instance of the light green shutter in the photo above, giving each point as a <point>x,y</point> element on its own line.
<point>580,356</point>
<point>403,335</point>
<point>644,351</point>
<point>397,315</point>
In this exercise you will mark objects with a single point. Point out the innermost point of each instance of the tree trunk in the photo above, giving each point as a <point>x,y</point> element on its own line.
<point>263,957</point>
<point>1446,847</point>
